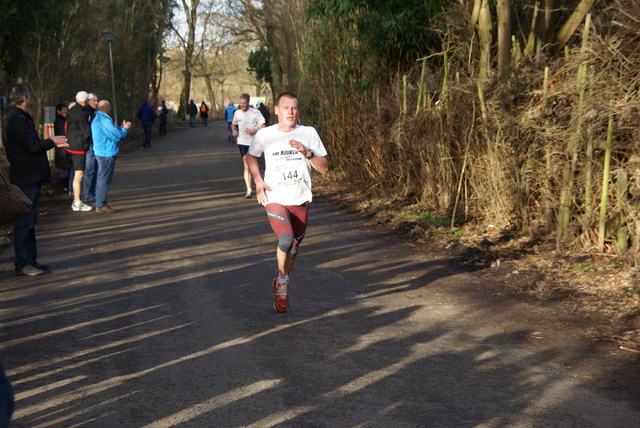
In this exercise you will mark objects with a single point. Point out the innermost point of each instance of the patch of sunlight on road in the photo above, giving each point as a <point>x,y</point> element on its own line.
<point>75,327</point>
<point>35,366</point>
<point>47,388</point>
<point>85,391</point>
<point>341,392</point>
<point>67,367</point>
<point>215,403</point>
<point>85,410</point>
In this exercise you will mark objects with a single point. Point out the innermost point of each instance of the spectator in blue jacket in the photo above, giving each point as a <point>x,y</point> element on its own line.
<point>106,137</point>
<point>146,115</point>
<point>228,116</point>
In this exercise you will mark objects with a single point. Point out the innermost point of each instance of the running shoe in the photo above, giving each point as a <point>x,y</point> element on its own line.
<point>80,206</point>
<point>281,296</point>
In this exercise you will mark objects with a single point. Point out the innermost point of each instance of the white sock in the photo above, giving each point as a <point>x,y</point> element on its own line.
<point>283,279</point>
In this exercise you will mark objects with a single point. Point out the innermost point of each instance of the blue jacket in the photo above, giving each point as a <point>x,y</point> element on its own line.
<point>228,113</point>
<point>106,136</point>
<point>146,113</point>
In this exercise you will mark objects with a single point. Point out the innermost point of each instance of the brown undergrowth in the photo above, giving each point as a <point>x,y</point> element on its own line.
<point>603,289</point>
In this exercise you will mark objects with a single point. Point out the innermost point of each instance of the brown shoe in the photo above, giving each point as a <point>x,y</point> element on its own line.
<point>29,271</point>
<point>105,210</point>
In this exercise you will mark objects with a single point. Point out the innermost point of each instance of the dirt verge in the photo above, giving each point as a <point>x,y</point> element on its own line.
<point>597,288</point>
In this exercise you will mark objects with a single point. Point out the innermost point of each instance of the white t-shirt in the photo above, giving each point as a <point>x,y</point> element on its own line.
<point>287,173</point>
<point>249,119</point>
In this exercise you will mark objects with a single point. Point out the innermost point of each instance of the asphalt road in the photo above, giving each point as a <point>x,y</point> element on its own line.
<point>161,315</point>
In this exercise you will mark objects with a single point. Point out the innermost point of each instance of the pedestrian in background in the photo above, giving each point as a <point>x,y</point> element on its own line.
<point>204,113</point>
<point>146,115</point>
<point>106,138</point>
<point>62,157</point>
<point>192,111</point>
<point>28,169</point>
<point>228,117</point>
<point>162,112</point>
<point>265,112</point>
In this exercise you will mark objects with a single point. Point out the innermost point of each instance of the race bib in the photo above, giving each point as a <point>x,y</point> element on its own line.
<point>289,170</point>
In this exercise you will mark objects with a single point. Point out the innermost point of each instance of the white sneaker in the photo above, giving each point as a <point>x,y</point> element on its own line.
<point>248,195</point>
<point>80,206</point>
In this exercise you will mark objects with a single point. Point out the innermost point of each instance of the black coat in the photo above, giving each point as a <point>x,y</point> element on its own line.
<point>26,152</point>
<point>63,157</point>
<point>78,129</point>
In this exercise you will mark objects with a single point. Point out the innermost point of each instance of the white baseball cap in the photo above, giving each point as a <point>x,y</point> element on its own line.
<point>81,96</point>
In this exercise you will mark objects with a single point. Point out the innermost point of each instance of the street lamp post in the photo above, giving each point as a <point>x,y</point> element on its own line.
<point>164,60</point>
<point>109,36</point>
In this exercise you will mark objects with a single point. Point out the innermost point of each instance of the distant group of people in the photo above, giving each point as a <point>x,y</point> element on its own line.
<point>193,110</point>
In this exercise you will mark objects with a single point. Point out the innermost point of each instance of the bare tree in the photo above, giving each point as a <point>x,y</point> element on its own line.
<point>188,42</point>
<point>504,37</point>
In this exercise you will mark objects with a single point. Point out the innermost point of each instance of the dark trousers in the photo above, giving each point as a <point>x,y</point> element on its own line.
<point>89,179</point>
<point>148,128</point>
<point>162,130</point>
<point>24,231</point>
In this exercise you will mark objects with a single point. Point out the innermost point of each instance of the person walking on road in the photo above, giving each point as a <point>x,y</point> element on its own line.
<point>106,139</point>
<point>162,112</point>
<point>228,117</point>
<point>246,122</point>
<point>147,116</point>
<point>204,113</point>
<point>291,151</point>
<point>28,169</point>
<point>192,111</point>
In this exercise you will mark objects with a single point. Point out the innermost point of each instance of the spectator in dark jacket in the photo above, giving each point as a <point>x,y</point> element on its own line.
<point>147,115</point>
<point>265,112</point>
<point>79,135</point>
<point>62,156</point>
<point>163,112</point>
<point>28,169</point>
<point>192,111</point>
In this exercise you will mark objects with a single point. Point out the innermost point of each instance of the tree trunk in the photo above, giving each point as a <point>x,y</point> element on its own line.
<point>483,29</point>
<point>564,34</point>
<point>504,38</point>
<point>191,13</point>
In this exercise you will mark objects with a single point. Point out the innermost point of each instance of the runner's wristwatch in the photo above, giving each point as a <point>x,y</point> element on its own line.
<point>312,155</point>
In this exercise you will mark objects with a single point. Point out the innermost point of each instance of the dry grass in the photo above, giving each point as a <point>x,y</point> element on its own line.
<point>507,166</point>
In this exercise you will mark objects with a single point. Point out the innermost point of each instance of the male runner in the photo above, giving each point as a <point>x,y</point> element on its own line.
<point>246,122</point>
<point>290,151</point>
